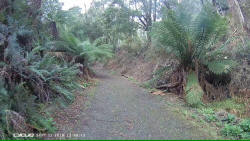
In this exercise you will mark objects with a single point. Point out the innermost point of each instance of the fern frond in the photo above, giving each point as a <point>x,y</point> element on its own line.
<point>221,66</point>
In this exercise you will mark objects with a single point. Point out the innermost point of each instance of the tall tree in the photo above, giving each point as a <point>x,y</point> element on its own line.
<point>118,22</point>
<point>146,14</point>
<point>237,12</point>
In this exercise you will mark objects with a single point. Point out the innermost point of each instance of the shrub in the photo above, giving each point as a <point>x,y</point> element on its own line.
<point>232,131</point>
<point>245,125</point>
<point>245,135</point>
<point>211,118</point>
<point>209,114</point>
<point>20,112</point>
<point>207,111</point>
<point>231,118</point>
<point>30,74</point>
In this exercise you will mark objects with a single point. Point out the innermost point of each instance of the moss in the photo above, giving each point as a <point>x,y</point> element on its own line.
<point>193,91</point>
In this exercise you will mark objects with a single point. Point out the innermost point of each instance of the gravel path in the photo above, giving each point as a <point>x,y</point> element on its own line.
<point>118,109</point>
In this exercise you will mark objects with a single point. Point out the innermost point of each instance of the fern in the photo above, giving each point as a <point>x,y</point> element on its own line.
<point>96,53</point>
<point>30,74</point>
<point>223,66</point>
<point>85,51</point>
<point>42,124</point>
<point>21,102</point>
<point>194,39</point>
<point>196,42</point>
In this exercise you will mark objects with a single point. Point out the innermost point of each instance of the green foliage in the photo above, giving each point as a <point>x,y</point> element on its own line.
<point>239,131</point>
<point>82,52</point>
<point>228,104</point>
<point>43,124</point>
<point>193,90</point>
<point>209,114</point>
<point>231,130</point>
<point>36,68</point>
<point>231,118</point>
<point>193,39</point>
<point>132,45</point>
<point>97,53</point>
<point>230,127</point>
<point>245,136</point>
<point>117,19</point>
<point>117,23</point>
<point>245,125</point>
<point>219,67</point>
<point>210,118</point>
<point>196,41</point>
<point>31,74</point>
<point>86,84</point>
<point>206,111</point>
<point>19,102</point>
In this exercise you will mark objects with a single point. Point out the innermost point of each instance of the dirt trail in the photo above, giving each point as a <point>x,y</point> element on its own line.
<point>118,109</point>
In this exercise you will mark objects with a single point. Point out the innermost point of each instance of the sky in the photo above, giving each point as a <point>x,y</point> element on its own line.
<point>72,3</point>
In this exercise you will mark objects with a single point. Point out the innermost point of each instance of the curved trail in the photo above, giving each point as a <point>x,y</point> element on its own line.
<point>118,109</point>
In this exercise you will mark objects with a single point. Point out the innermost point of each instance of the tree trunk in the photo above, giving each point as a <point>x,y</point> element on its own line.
<point>3,4</point>
<point>236,12</point>
<point>54,30</point>
<point>155,10</point>
<point>149,39</point>
<point>245,8</point>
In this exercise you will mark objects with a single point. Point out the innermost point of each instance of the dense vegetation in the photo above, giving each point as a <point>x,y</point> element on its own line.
<point>41,56</point>
<point>44,49</point>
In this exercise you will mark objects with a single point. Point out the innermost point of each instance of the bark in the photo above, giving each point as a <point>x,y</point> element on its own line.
<point>54,30</point>
<point>145,20</point>
<point>3,4</point>
<point>245,8</point>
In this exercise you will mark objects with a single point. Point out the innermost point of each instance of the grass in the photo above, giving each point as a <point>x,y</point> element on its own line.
<point>196,120</point>
<point>230,105</point>
<point>205,117</point>
<point>133,80</point>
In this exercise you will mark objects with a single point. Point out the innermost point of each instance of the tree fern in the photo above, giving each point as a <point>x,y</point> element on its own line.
<point>196,42</point>
<point>193,40</point>
<point>96,53</point>
<point>87,51</point>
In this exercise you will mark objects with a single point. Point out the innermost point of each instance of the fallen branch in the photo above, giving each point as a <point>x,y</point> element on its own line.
<point>125,76</point>
<point>171,85</point>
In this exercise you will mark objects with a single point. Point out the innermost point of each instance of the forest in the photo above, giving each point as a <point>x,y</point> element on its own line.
<point>197,51</point>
